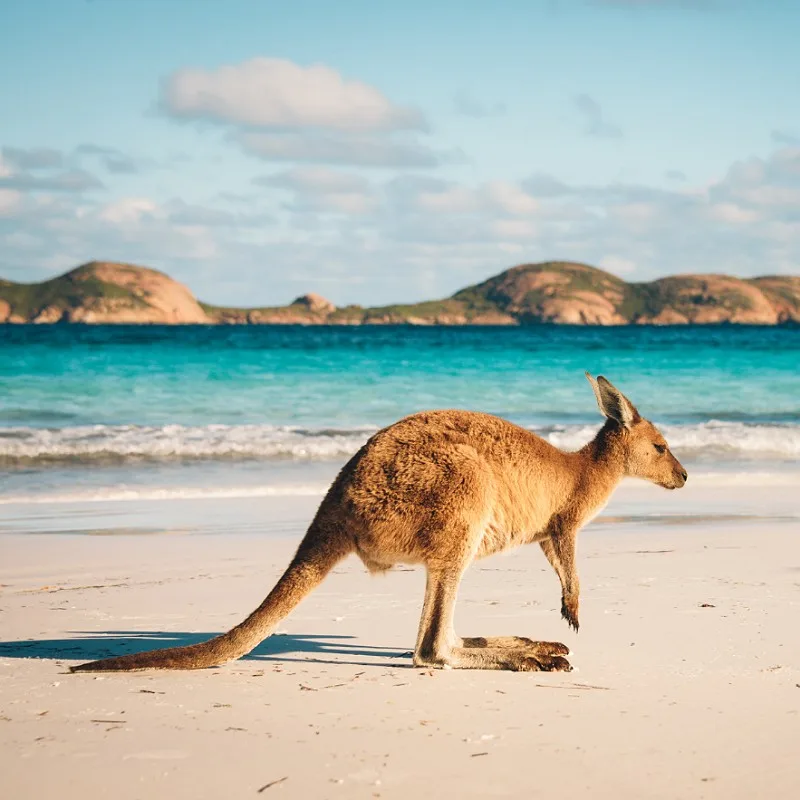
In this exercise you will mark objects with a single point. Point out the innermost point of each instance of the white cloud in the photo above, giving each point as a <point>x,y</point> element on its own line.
<point>276,93</point>
<point>513,229</point>
<point>348,203</point>
<point>452,200</point>
<point>360,151</point>
<point>635,212</point>
<point>732,213</point>
<point>511,198</point>
<point>320,190</point>
<point>321,179</point>
<point>744,173</point>
<point>494,196</point>
<point>787,160</point>
<point>280,111</point>
<point>10,201</point>
<point>128,210</point>
<point>180,213</point>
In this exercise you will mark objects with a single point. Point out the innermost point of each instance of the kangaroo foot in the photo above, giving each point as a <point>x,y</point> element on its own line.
<point>541,663</point>
<point>518,643</point>
<point>512,659</point>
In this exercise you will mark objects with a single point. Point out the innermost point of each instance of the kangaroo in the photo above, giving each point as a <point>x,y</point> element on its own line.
<point>442,488</point>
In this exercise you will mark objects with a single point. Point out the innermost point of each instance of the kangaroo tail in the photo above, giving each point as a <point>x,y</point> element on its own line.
<point>312,562</point>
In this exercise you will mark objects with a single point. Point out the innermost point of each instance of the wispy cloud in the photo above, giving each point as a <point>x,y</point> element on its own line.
<point>32,158</point>
<point>469,106</point>
<point>364,151</point>
<point>696,5</point>
<point>71,180</point>
<point>322,190</point>
<point>594,121</point>
<point>114,160</point>
<point>785,137</point>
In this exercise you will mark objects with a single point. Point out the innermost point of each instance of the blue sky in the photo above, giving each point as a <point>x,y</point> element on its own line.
<point>381,152</point>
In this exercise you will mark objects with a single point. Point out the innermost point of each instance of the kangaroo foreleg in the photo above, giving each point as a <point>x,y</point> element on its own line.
<point>559,548</point>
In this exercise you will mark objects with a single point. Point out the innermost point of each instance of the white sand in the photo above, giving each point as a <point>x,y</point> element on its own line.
<point>670,700</point>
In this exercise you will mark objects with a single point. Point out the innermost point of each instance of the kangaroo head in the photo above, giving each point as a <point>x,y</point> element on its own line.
<point>643,449</point>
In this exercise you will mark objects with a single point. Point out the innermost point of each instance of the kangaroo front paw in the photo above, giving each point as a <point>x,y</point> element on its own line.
<point>569,610</point>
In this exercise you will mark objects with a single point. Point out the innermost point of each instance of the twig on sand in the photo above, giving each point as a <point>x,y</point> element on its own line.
<point>572,686</point>
<point>272,783</point>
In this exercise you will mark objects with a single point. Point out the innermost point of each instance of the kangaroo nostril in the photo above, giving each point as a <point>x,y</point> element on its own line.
<point>684,475</point>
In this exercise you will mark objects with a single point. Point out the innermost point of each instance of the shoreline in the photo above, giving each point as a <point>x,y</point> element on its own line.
<point>282,501</point>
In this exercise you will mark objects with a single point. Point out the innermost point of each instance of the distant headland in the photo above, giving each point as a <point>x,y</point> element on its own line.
<point>557,292</point>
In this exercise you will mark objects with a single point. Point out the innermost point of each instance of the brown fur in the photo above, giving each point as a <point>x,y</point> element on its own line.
<point>441,488</point>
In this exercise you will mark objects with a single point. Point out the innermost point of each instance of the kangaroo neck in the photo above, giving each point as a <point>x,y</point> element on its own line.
<point>604,460</point>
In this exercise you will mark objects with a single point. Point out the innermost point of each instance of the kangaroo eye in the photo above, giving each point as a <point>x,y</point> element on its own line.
<point>661,448</point>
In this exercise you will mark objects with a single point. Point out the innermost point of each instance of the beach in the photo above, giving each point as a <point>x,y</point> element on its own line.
<point>687,679</point>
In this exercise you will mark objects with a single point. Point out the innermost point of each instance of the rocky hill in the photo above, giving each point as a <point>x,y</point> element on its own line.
<point>577,294</point>
<point>552,292</point>
<point>101,292</point>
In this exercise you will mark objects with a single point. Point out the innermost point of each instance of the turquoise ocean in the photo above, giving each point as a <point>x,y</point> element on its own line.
<point>114,413</point>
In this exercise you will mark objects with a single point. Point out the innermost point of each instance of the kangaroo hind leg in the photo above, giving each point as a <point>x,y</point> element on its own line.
<point>517,643</point>
<point>438,646</point>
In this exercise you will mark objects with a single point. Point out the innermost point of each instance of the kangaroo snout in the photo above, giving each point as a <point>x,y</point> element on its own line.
<point>680,477</point>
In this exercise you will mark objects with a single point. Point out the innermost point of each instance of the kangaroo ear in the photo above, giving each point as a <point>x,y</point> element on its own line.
<point>613,404</point>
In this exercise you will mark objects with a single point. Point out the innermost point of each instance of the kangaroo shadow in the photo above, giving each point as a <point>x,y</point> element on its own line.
<point>88,646</point>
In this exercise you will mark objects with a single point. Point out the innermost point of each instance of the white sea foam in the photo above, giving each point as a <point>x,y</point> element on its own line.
<point>115,494</point>
<point>120,443</point>
<point>144,442</point>
<point>148,494</point>
<point>715,439</point>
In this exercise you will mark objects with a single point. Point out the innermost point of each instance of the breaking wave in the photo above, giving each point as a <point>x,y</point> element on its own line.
<point>122,495</point>
<point>723,441</point>
<point>713,440</point>
<point>120,443</point>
